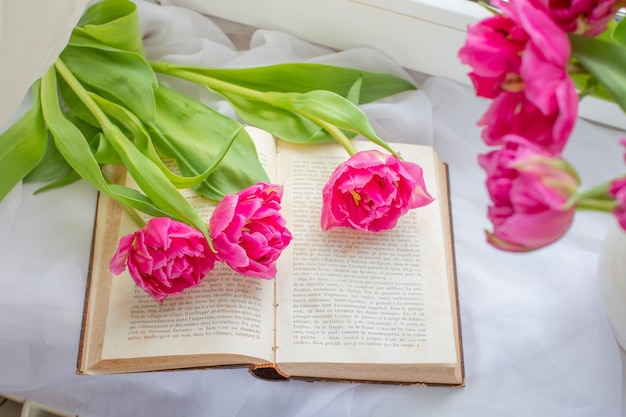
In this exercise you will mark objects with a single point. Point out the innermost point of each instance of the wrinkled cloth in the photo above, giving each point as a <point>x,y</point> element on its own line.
<point>536,339</point>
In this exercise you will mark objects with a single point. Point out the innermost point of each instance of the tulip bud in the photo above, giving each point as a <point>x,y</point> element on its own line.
<point>529,189</point>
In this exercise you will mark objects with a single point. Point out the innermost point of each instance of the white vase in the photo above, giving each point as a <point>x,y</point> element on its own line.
<point>612,281</point>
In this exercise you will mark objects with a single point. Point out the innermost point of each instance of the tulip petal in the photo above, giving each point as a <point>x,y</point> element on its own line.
<point>120,258</point>
<point>164,258</point>
<point>371,191</point>
<point>248,232</point>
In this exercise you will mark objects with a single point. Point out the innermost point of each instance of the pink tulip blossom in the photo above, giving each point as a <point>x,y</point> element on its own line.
<point>545,57</point>
<point>582,17</point>
<point>617,189</point>
<point>528,188</point>
<point>512,113</point>
<point>493,49</point>
<point>371,191</point>
<point>532,17</point>
<point>164,258</point>
<point>248,232</point>
<point>547,84</point>
<point>520,60</point>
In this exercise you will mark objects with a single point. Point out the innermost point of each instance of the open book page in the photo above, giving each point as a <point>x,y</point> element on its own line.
<point>346,296</point>
<point>226,313</point>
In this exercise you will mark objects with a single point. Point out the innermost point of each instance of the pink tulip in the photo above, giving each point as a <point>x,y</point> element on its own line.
<point>548,85</point>
<point>164,258</point>
<point>371,191</point>
<point>512,113</point>
<point>583,17</point>
<point>520,59</point>
<point>493,49</point>
<point>545,56</point>
<point>617,189</point>
<point>248,232</point>
<point>528,188</point>
<point>541,31</point>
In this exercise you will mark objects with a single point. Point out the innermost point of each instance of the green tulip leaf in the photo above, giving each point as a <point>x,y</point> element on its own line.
<point>103,151</point>
<point>52,165</point>
<point>89,130</point>
<point>135,129</point>
<point>138,201</point>
<point>606,61</point>
<point>68,138</point>
<point>301,78</point>
<point>274,112</point>
<point>194,135</point>
<point>120,76</point>
<point>75,109</point>
<point>152,181</point>
<point>71,143</point>
<point>354,94</point>
<point>281,123</point>
<point>329,108</point>
<point>616,32</point>
<point>22,146</point>
<point>67,179</point>
<point>144,143</point>
<point>113,23</point>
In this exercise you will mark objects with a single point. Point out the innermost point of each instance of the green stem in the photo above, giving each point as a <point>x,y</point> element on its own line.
<point>597,193</point>
<point>339,136</point>
<point>136,218</point>
<point>223,86</point>
<point>134,215</point>
<point>606,206</point>
<point>157,188</point>
<point>82,94</point>
<point>100,116</point>
<point>210,82</point>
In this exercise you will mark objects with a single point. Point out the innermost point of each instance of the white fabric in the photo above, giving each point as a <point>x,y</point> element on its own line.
<point>535,335</point>
<point>32,34</point>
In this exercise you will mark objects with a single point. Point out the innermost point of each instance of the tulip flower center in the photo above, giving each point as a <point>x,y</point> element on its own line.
<point>356,197</point>
<point>513,83</point>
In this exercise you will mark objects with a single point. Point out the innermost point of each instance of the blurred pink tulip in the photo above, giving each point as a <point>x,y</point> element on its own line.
<point>493,49</point>
<point>545,57</point>
<point>520,60</point>
<point>617,190</point>
<point>583,17</point>
<point>528,188</point>
<point>512,113</point>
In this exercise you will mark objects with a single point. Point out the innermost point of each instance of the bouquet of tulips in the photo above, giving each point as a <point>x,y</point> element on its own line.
<point>102,104</point>
<point>535,60</point>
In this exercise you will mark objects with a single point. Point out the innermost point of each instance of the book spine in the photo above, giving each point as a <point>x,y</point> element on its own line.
<point>268,372</point>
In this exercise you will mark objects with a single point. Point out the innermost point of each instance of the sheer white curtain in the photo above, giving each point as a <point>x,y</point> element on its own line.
<point>32,34</point>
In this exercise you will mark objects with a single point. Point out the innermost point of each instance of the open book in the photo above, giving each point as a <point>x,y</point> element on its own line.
<point>346,304</point>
